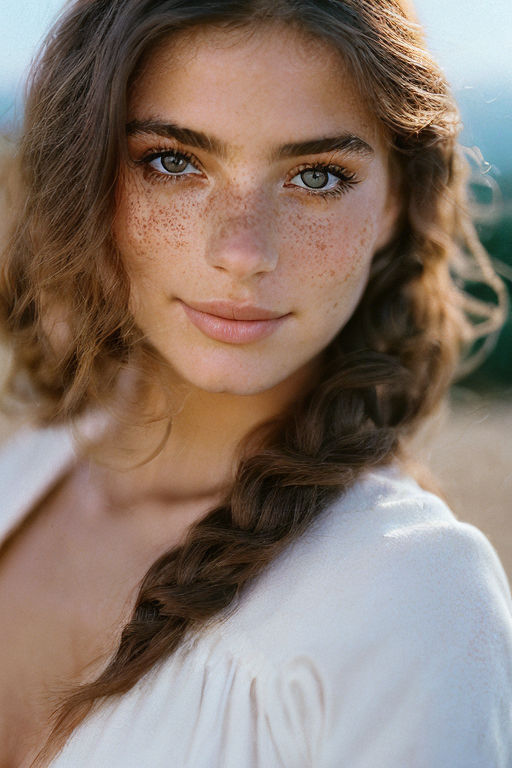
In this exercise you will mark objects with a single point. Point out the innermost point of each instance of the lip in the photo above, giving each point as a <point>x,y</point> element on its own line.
<point>233,323</point>
<point>230,310</point>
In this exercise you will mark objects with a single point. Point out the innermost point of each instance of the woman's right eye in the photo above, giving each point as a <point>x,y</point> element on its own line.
<point>171,164</point>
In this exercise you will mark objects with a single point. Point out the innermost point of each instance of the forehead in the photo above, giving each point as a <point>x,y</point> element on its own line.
<point>273,82</point>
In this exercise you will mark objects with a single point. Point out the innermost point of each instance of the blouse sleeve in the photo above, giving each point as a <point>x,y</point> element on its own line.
<point>430,684</point>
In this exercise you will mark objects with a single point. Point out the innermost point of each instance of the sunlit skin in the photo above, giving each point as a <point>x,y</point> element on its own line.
<point>237,220</point>
<point>244,227</point>
<point>239,226</point>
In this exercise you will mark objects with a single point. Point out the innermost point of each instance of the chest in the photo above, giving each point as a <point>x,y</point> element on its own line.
<point>68,584</point>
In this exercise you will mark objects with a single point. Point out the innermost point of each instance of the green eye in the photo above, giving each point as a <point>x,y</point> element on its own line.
<point>315,178</point>
<point>171,164</point>
<point>324,180</point>
<point>174,163</point>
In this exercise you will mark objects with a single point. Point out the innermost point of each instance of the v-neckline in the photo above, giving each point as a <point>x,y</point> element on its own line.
<point>32,461</point>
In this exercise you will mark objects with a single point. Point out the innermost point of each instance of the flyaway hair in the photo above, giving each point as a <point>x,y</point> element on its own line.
<point>64,292</point>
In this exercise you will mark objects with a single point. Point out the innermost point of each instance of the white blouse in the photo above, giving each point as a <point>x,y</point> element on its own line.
<point>380,639</point>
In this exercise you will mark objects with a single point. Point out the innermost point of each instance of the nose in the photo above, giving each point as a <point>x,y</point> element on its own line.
<point>242,243</point>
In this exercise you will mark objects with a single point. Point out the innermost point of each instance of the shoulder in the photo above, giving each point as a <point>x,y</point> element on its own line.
<point>35,455</point>
<point>30,461</point>
<point>400,618</point>
<point>387,545</point>
<point>418,548</point>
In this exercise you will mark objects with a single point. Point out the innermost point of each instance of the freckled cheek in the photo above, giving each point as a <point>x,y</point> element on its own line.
<point>328,251</point>
<point>152,229</point>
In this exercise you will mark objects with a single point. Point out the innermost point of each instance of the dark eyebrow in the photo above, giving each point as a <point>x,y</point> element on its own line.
<point>346,142</point>
<point>183,135</point>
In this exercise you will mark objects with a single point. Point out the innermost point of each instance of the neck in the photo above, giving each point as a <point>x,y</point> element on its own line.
<point>196,460</point>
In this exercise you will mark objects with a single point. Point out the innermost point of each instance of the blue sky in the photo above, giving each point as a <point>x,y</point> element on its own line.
<point>472,45</point>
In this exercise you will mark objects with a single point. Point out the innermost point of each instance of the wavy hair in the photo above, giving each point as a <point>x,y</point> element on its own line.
<point>64,292</point>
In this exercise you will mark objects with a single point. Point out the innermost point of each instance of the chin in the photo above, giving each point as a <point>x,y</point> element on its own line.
<point>237,380</point>
<point>237,371</point>
<point>229,385</point>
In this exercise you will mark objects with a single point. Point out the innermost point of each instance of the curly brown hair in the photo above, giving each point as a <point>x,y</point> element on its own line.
<point>64,292</point>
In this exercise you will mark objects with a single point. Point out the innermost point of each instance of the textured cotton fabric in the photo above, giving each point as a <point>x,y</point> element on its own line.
<point>380,639</point>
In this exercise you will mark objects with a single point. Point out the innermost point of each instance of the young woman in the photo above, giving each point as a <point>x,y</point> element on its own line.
<point>228,291</point>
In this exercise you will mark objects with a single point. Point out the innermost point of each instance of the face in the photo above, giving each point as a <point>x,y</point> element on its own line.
<point>256,194</point>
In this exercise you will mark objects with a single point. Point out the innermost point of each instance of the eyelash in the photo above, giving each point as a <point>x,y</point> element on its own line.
<point>154,154</point>
<point>347,180</point>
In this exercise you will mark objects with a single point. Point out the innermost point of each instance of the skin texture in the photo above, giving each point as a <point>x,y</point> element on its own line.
<point>239,229</point>
<point>242,229</point>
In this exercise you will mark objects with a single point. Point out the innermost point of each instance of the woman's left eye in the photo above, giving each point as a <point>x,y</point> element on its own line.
<point>171,164</point>
<point>323,179</point>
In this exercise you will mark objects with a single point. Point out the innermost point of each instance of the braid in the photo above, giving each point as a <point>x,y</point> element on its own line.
<point>312,456</point>
<point>389,366</point>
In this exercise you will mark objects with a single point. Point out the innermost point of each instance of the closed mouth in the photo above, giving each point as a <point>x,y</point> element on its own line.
<point>231,323</point>
<point>232,311</point>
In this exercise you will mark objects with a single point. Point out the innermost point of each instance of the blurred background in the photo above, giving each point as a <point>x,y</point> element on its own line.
<point>469,445</point>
